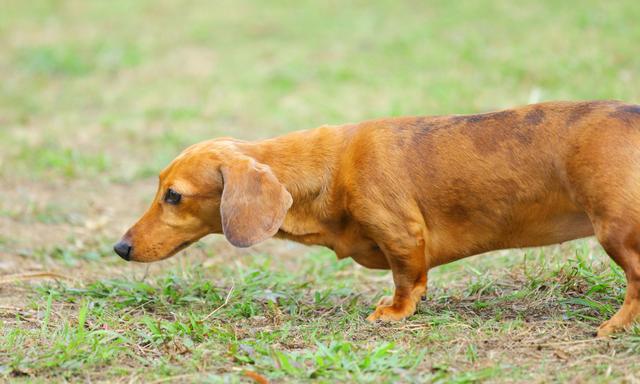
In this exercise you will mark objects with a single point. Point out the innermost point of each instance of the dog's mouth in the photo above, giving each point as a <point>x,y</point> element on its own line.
<point>180,247</point>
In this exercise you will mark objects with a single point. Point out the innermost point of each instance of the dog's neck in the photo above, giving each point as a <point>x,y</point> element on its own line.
<point>306,163</point>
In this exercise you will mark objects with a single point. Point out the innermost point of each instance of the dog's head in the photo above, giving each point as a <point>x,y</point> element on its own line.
<point>211,187</point>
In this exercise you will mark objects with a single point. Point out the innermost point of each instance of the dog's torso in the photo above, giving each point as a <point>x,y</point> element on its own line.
<point>466,184</point>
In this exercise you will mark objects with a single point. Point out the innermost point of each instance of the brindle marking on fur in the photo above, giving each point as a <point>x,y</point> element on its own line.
<point>579,112</point>
<point>454,204</point>
<point>488,131</point>
<point>633,109</point>
<point>424,126</point>
<point>627,113</point>
<point>582,110</point>
<point>523,129</point>
<point>421,149</point>
<point>458,212</point>
<point>534,117</point>
<point>483,117</point>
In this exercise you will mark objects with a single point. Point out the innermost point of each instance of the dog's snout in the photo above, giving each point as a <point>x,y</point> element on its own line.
<point>123,249</point>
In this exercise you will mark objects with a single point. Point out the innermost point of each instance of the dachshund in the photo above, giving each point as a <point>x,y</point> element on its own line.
<point>411,193</point>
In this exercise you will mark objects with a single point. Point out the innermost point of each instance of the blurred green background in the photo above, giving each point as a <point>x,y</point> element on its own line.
<point>118,87</point>
<point>97,96</point>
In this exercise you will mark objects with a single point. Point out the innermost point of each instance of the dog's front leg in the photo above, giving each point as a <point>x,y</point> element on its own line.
<point>410,278</point>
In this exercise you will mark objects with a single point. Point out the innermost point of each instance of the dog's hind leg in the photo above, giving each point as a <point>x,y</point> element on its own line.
<point>622,242</point>
<point>603,175</point>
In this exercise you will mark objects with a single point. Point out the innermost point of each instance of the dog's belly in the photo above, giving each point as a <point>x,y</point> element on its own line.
<point>374,259</point>
<point>519,228</point>
<point>545,231</point>
<point>362,250</point>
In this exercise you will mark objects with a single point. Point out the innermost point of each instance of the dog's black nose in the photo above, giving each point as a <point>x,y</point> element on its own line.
<point>123,249</point>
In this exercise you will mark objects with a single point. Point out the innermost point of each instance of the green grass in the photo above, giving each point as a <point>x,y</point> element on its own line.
<point>96,97</point>
<point>213,322</point>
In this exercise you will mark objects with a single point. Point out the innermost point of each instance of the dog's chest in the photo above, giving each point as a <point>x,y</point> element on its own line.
<point>343,236</point>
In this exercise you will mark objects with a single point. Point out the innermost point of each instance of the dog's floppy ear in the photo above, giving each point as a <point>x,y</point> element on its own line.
<point>254,203</point>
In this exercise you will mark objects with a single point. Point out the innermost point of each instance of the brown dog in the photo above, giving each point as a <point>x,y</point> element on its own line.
<point>412,193</point>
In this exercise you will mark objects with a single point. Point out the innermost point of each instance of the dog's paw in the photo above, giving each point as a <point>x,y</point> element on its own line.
<point>385,312</point>
<point>608,328</point>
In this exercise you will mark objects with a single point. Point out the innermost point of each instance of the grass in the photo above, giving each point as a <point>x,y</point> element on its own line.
<point>309,326</point>
<point>96,98</point>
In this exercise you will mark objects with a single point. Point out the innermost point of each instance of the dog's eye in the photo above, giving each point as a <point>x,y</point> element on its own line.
<point>172,197</point>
